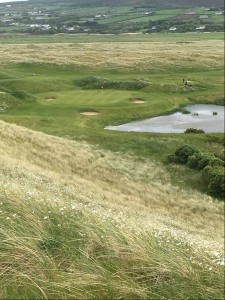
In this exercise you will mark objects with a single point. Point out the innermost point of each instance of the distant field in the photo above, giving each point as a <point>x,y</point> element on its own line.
<point>65,17</point>
<point>151,55</point>
<point>89,38</point>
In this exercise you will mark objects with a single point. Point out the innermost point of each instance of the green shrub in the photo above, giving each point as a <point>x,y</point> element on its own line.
<point>86,81</point>
<point>216,181</point>
<point>194,130</point>
<point>216,162</point>
<point>172,158</point>
<point>22,95</point>
<point>206,175</point>
<point>213,177</point>
<point>221,155</point>
<point>200,160</point>
<point>184,152</point>
<point>193,160</point>
<point>94,82</point>
<point>204,161</point>
<point>211,166</point>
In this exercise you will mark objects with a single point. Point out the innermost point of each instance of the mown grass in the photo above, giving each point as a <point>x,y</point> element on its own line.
<point>80,222</point>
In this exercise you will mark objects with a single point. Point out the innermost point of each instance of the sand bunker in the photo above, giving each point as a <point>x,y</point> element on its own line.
<point>50,98</point>
<point>89,113</point>
<point>137,100</point>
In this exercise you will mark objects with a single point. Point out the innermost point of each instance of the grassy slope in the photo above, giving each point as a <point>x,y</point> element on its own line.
<point>175,3</point>
<point>81,222</point>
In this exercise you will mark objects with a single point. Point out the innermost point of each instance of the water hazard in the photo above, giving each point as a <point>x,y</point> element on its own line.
<point>209,118</point>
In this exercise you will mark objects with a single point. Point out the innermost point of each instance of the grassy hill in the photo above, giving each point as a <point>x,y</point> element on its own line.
<point>91,213</point>
<point>79,222</point>
<point>111,17</point>
<point>142,3</point>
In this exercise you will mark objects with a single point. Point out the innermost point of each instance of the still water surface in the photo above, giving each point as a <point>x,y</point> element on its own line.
<point>5,1</point>
<point>200,117</point>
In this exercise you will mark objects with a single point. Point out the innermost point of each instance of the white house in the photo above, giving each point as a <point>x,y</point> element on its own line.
<point>200,28</point>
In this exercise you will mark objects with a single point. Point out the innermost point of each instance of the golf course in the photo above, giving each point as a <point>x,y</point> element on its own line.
<point>91,213</point>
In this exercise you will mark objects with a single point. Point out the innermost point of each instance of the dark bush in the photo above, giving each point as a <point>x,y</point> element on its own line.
<point>216,162</point>
<point>206,175</point>
<point>212,167</point>
<point>172,158</point>
<point>184,152</point>
<point>216,181</point>
<point>23,95</point>
<point>86,81</point>
<point>193,160</point>
<point>221,154</point>
<point>213,177</point>
<point>204,161</point>
<point>200,160</point>
<point>93,82</point>
<point>193,130</point>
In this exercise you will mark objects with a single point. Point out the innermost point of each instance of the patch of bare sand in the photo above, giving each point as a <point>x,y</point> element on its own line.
<point>89,113</point>
<point>137,100</point>
<point>50,98</point>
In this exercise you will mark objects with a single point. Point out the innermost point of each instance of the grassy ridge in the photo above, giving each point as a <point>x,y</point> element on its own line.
<point>74,224</point>
<point>182,3</point>
<point>87,38</point>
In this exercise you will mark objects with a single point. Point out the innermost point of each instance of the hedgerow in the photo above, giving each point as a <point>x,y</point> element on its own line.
<point>194,130</point>
<point>211,166</point>
<point>94,82</point>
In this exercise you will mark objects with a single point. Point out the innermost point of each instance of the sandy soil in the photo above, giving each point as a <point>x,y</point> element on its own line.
<point>50,98</point>
<point>137,100</point>
<point>89,113</point>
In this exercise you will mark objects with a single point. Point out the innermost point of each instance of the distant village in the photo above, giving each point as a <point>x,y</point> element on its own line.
<point>45,21</point>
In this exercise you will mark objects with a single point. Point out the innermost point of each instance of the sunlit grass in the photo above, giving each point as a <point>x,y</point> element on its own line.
<point>77,221</point>
<point>82,222</point>
<point>145,55</point>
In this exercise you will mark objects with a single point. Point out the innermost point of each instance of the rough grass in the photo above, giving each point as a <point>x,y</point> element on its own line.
<point>79,222</point>
<point>144,55</point>
<point>161,59</point>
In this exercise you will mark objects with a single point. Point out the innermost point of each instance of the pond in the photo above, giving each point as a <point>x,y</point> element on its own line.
<point>209,118</point>
<point>8,1</point>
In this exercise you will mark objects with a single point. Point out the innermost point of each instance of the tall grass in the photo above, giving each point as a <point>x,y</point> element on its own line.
<point>78,222</point>
<point>112,55</point>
